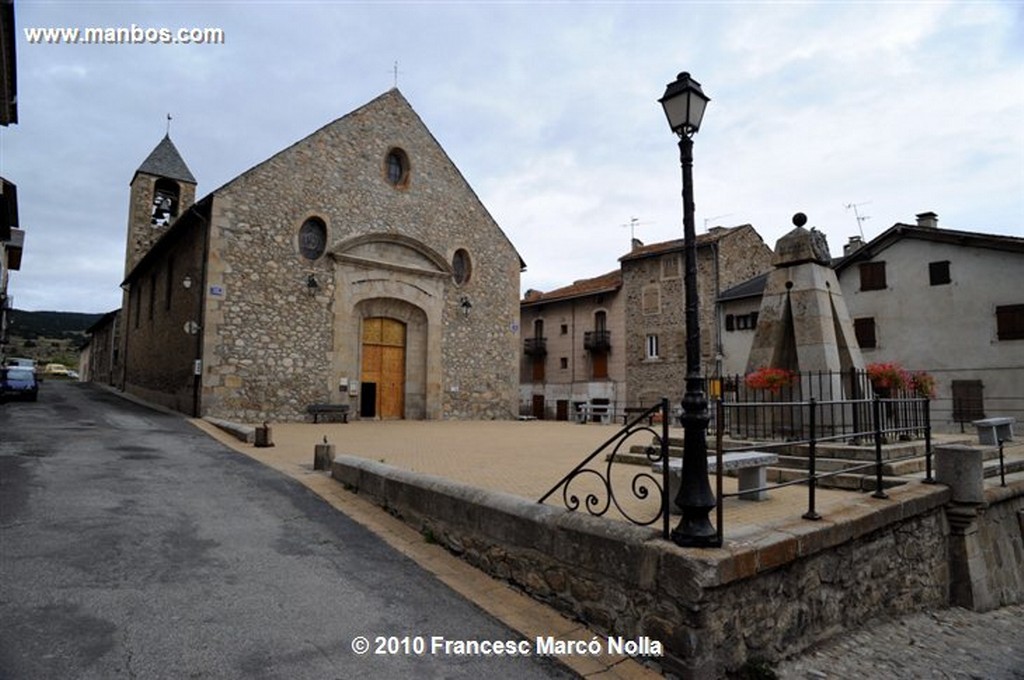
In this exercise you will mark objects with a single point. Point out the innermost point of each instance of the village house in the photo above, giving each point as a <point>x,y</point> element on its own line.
<point>357,267</point>
<point>652,287</point>
<point>947,302</point>
<point>574,351</point>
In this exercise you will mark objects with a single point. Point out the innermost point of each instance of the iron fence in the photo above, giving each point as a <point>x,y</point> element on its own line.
<point>844,399</point>
<point>883,424</point>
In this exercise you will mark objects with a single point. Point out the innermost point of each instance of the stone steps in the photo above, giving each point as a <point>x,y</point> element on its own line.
<point>833,457</point>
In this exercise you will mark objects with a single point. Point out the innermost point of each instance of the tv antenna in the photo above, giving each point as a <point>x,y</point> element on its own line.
<point>860,218</point>
<point>716,217</point>
<point>633,224</point>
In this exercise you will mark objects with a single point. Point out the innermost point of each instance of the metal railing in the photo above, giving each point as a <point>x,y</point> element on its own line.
<point>884,424</point>
<point>845,398</point>
<point>602,495</point>
<point>884,419</point>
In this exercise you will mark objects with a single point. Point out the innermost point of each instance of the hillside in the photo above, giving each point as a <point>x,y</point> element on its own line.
<point>50,325</point>
<point>47,337</point>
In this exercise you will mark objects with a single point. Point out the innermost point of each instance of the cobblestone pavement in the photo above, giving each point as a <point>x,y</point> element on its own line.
<point>952,643</point>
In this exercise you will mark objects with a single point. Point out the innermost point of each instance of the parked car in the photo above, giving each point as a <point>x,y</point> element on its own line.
<point>18,383</point>
<point>56,369</point>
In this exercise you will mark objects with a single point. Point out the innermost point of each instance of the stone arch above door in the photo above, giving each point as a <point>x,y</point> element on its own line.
<point>393,252</point>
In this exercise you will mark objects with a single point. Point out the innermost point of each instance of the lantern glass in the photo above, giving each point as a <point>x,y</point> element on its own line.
<point>684,103</point>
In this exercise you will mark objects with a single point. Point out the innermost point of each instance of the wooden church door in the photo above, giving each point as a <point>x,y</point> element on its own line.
<point>384,364</point>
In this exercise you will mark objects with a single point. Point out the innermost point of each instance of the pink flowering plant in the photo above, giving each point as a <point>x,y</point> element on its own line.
<point>772,379</point>
<point>886,377</point>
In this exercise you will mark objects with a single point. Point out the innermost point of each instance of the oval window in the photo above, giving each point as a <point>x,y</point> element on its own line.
<point>461,267</point>
<point>312,238</point>
<point>396,168</point>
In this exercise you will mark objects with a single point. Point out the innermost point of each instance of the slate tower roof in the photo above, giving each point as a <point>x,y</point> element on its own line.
<point>165,161</point>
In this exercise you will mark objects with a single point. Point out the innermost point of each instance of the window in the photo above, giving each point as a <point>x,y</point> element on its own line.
<point>563,363</point>
<point>564,329</point>
<point>538,328</point>
<point>600,321</point>
<point>741,322</point>
<point>652,347</point>
<point>968,400</point>
<point>152,294</point>
<point>938,273</point>
<point>312,238</point>
<point>396,168</point>
<point>864,330</point>
<point>671,265</point>
<point>462,268</point>
<point>1010,322</point>
<point>872,276</point>
<point>651,299</point>
<point>169,283</point>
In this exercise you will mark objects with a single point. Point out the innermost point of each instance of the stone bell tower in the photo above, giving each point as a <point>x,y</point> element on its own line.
<point>163,187</point>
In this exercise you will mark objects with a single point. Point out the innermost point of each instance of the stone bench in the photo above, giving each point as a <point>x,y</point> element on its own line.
<point>751,466</point>
<point>992,430</point>
<point>631,412</point>
<point>587,413</point>
<point>317,410</point>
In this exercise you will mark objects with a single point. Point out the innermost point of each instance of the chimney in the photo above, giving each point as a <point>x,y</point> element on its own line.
<point>928,220</point>
<point>636,244</point>
<point>855,244</point>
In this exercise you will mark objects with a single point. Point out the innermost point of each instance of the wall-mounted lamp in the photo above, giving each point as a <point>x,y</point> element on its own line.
<point>186,282</point>
<point>465,305</point>
<point>311,284</point>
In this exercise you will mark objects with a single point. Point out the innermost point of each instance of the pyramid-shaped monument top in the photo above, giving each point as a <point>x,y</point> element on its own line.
<point>165,161</point>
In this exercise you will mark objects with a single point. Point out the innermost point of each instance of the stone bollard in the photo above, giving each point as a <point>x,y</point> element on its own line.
<point>961,469</point>
<point>323,456</point>
<point>264,436</point>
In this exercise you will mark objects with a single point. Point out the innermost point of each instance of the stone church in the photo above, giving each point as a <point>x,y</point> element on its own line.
<point>355,267</point>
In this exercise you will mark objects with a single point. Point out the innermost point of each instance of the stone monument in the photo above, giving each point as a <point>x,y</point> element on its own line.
<point>803,325</point>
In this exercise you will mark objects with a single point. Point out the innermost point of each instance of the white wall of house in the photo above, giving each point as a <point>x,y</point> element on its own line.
<point>950,329</point>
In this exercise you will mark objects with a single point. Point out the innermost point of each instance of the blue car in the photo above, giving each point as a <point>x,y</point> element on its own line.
<point>18,383</point>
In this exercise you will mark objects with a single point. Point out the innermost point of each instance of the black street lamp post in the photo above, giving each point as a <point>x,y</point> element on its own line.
<point>684,103</point>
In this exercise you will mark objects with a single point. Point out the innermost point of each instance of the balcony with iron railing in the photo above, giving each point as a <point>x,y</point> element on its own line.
<point>597,341</point>
<point>535,347</point>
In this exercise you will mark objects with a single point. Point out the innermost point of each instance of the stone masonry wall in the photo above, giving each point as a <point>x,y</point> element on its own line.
<point>713,610</point>
<point>273,346</point>
<point>725,258</point>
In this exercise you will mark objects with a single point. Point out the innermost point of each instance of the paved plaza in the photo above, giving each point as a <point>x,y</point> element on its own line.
<point>527,458</point>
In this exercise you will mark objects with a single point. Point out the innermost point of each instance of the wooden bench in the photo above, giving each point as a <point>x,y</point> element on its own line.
<point>993,430</point>
<point>317,410</point>
<point>751,466</point>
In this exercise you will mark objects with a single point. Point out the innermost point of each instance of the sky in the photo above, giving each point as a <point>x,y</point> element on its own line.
<point>858,114</point>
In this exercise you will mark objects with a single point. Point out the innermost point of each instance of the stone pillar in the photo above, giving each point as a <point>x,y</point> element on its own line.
<point>961,469</point>
<point>323,456</point>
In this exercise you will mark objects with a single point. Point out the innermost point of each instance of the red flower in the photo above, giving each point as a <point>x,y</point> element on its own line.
<point>773,379</point>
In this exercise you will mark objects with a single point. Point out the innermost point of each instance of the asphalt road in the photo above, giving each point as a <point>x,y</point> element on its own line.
<point>133,546</point>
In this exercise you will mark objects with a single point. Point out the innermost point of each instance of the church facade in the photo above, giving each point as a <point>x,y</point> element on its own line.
<point>355,267</point>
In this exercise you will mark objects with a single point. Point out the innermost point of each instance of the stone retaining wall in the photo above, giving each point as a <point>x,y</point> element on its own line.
<point>759,598</point>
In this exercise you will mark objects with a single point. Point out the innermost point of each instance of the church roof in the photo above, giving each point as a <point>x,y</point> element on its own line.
<point>165,161</point>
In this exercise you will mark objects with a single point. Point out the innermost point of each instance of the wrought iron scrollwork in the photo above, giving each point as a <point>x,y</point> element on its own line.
<point>599,491</point>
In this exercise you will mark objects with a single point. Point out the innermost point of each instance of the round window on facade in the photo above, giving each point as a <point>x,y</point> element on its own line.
<point>396,168</point>
<point>461,266</point>
<point>312,238</point>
